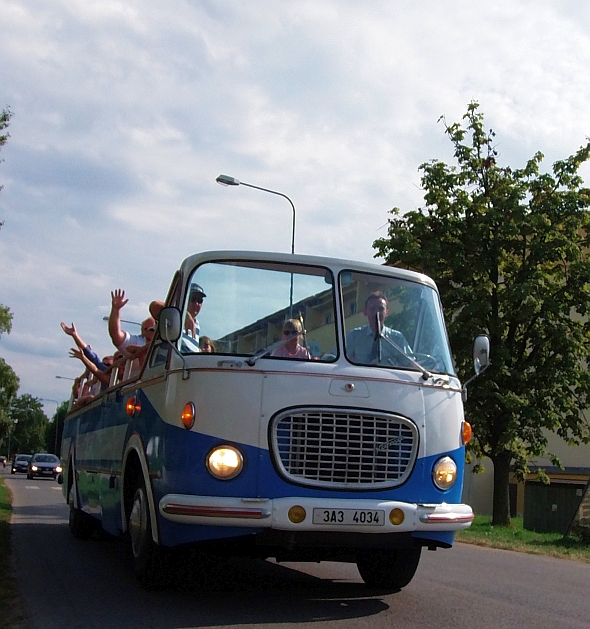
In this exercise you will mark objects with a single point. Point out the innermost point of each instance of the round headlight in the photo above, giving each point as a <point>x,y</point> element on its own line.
<point>444,473</point>
<point>225,462</point>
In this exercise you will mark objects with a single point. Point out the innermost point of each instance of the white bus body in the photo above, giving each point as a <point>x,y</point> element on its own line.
<point>345,455</point>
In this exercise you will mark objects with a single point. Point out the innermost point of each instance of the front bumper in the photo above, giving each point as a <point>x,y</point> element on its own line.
<point>274,513</point>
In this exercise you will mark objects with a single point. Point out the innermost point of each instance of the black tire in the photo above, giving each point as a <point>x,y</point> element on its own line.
<point>148,559</point>
<point>389,570</point>
<point>30,476</point>
<point>79,523</point>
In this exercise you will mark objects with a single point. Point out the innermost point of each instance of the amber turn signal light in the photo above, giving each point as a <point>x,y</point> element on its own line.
<point>188,415</point>
<point>133,406</point>
<point>466,432</point>
<point>297,514</point>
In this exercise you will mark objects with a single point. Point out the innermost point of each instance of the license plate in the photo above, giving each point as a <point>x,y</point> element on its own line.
<point>354,517</point>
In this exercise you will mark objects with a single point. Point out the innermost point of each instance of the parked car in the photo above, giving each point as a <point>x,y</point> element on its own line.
<point>43,464</point>
<point>20,463</point>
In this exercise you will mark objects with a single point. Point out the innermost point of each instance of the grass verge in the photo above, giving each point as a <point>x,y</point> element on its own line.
<point>515,537</point>
<point>9,616</point>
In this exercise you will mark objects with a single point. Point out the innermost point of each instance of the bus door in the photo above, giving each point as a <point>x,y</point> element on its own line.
<point>114,427</point>
<point>87,461</point>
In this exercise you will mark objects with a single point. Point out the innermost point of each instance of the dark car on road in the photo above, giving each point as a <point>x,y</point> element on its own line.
<point>20,463</point>
<point>43,464</point>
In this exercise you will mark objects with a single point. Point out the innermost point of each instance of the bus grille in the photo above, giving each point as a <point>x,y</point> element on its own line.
<point>343,449</point>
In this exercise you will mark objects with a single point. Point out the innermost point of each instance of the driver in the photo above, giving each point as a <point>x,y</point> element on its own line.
<point>363,345</point>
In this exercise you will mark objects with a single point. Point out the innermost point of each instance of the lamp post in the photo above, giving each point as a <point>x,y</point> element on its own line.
<point>226,180</point>
<point>15,422</point>
<point>124,321</point>
<point>44,399</point>
<point>65,378</point>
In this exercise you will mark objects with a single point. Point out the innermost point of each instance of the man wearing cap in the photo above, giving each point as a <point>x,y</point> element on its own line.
<point>192,328</point>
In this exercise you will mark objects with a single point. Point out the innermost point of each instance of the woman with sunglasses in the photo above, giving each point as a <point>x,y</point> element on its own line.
<point>293,331</point>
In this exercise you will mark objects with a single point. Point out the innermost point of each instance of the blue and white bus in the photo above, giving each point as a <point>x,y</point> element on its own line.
<point>326,424</point>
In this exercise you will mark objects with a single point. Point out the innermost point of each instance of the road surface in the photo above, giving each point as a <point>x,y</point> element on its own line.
<point>71,584</point>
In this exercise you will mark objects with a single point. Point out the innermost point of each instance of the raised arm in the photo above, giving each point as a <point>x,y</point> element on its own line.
<point>71,331</point>
<point>117,302</point>
<point>104,377</point>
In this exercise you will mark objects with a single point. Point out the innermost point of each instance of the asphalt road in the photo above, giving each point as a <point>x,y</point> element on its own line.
<point>67,583</point>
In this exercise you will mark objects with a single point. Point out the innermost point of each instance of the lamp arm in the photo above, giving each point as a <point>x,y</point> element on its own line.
<point>280,194</point>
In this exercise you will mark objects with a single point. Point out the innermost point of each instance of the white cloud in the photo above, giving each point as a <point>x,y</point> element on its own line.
<point>125,112</point>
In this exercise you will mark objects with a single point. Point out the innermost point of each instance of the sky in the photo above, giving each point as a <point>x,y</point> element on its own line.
<point>125,112</point>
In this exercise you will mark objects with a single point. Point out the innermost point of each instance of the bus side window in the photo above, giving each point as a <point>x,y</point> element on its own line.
<point>160,354</point>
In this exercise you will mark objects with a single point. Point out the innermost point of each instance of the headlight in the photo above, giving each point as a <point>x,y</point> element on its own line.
<point>34,468</point>
<point>225,462</point>
<point>444,473</point>
<point>58,469</point>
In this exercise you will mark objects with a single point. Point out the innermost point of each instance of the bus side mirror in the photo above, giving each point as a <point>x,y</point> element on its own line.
<point>169,324</point>
<point>481,353</point>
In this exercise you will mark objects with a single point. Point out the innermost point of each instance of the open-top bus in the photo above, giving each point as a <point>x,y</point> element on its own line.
<point>350,450</point>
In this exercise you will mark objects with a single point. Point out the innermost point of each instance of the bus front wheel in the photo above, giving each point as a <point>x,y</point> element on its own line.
<point>147,556</point>
<point>388,569</point>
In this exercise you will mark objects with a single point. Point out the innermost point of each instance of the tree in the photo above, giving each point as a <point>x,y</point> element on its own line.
<point>509,252</point>
<point>8,387</point>
<point>30,424</point>
<point>5,314</point>
<point>53,443</point>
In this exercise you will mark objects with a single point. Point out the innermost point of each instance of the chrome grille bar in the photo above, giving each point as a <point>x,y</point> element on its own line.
<point>343,448</point>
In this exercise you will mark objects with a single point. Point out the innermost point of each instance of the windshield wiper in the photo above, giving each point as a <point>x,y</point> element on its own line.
<point>379,325</point>
<point>425,373</point>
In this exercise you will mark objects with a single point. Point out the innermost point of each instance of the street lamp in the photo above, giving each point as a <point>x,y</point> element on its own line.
<point>124,321</point>
<point>15,422</point>
<point>65,378</point>
<point>226,180</point>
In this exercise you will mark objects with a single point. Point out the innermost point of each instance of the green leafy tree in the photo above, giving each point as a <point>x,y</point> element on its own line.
<point>5,314</point>
<point>8,387</point>
<point>509,252</point>
<point>30,424</point>
<point>53,441</point>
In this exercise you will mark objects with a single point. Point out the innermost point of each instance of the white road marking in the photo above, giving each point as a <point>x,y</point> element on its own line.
<point>31,487</point>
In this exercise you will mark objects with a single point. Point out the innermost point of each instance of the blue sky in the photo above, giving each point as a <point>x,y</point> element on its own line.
<point>126,111</point>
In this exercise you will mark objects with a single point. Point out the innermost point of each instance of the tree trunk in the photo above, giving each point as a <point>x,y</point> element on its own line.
<point>501,506</point>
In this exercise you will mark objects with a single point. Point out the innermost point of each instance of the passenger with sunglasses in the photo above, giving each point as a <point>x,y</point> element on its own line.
<point>192,328</point>
<point>293,331</point>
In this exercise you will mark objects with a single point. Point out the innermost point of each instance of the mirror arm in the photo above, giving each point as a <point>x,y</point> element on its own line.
<point>185,372</point>
<point>464,389</point>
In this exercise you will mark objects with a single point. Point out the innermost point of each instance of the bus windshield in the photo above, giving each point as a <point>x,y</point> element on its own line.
<point>283,310</point>
<point>393,323</point>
